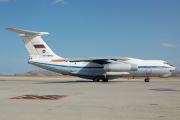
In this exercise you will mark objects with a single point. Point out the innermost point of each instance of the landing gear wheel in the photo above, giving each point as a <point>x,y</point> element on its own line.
<point>105,80</point>
<point>146,80</point>
<point>96,80</point>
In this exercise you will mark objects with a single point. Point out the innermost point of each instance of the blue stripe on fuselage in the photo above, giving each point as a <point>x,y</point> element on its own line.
<point>153,67</point>
<point>66,66</point>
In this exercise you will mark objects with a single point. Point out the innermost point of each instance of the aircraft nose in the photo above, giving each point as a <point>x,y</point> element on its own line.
<point>173,68</point>
<point>173,71</point>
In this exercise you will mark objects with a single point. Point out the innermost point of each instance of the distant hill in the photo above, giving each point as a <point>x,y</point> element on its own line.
<point>38,73</point>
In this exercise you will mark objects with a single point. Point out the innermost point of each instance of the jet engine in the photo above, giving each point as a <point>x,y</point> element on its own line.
<point>120,67</point>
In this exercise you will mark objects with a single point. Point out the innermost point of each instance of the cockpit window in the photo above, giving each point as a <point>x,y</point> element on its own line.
<point>168,64</point>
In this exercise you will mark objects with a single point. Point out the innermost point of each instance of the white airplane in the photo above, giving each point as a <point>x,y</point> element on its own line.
<point>95,69</point>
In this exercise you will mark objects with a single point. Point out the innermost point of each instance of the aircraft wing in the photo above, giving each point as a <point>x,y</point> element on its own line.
<point>102,60</point>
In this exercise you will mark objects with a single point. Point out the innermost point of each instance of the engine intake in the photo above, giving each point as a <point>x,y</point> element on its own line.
<point>120,67</point>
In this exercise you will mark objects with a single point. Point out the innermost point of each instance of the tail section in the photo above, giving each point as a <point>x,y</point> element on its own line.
<point>36,47</point>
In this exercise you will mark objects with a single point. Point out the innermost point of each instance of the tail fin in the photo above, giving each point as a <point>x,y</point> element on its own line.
<point>36,47</point>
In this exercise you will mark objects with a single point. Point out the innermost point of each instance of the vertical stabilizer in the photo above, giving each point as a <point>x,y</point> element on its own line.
<point>35,45</point>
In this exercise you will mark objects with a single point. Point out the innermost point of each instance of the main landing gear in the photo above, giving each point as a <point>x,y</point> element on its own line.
<point>105,80</point>
<point>97,80</point>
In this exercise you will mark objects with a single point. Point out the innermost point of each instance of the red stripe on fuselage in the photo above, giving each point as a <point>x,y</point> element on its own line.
<point>58,61</point>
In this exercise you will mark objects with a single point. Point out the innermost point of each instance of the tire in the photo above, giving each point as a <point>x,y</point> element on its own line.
<point>105,80</point>
<point>146,80</point>
<point>95,80</point>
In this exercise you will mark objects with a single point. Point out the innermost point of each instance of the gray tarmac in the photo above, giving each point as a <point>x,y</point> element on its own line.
<point>119,99</point>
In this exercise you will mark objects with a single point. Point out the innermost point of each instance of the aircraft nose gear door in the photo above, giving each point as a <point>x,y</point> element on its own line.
<point>148,73</point>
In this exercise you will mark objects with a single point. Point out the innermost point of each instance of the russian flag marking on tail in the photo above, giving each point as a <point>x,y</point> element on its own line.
<point>39,46</point>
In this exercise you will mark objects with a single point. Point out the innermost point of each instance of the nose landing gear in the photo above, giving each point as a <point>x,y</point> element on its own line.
<point>147,79</point>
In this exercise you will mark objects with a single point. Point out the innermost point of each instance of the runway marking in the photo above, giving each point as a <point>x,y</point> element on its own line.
<point>40,97</point>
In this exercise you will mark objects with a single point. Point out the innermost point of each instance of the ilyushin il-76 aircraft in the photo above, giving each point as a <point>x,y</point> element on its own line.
<point>95,69</point>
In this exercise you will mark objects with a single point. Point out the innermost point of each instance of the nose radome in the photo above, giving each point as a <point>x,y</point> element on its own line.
<point>173,71</point>
<point>173,68</point>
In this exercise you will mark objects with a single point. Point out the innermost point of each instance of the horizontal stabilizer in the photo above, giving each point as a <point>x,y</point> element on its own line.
<point>27,32</point>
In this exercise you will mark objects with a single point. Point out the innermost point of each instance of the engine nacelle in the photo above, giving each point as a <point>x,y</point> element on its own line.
<point>120,67</point>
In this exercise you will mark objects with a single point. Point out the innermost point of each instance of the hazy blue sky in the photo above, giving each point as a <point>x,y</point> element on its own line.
<point>144,29</point>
